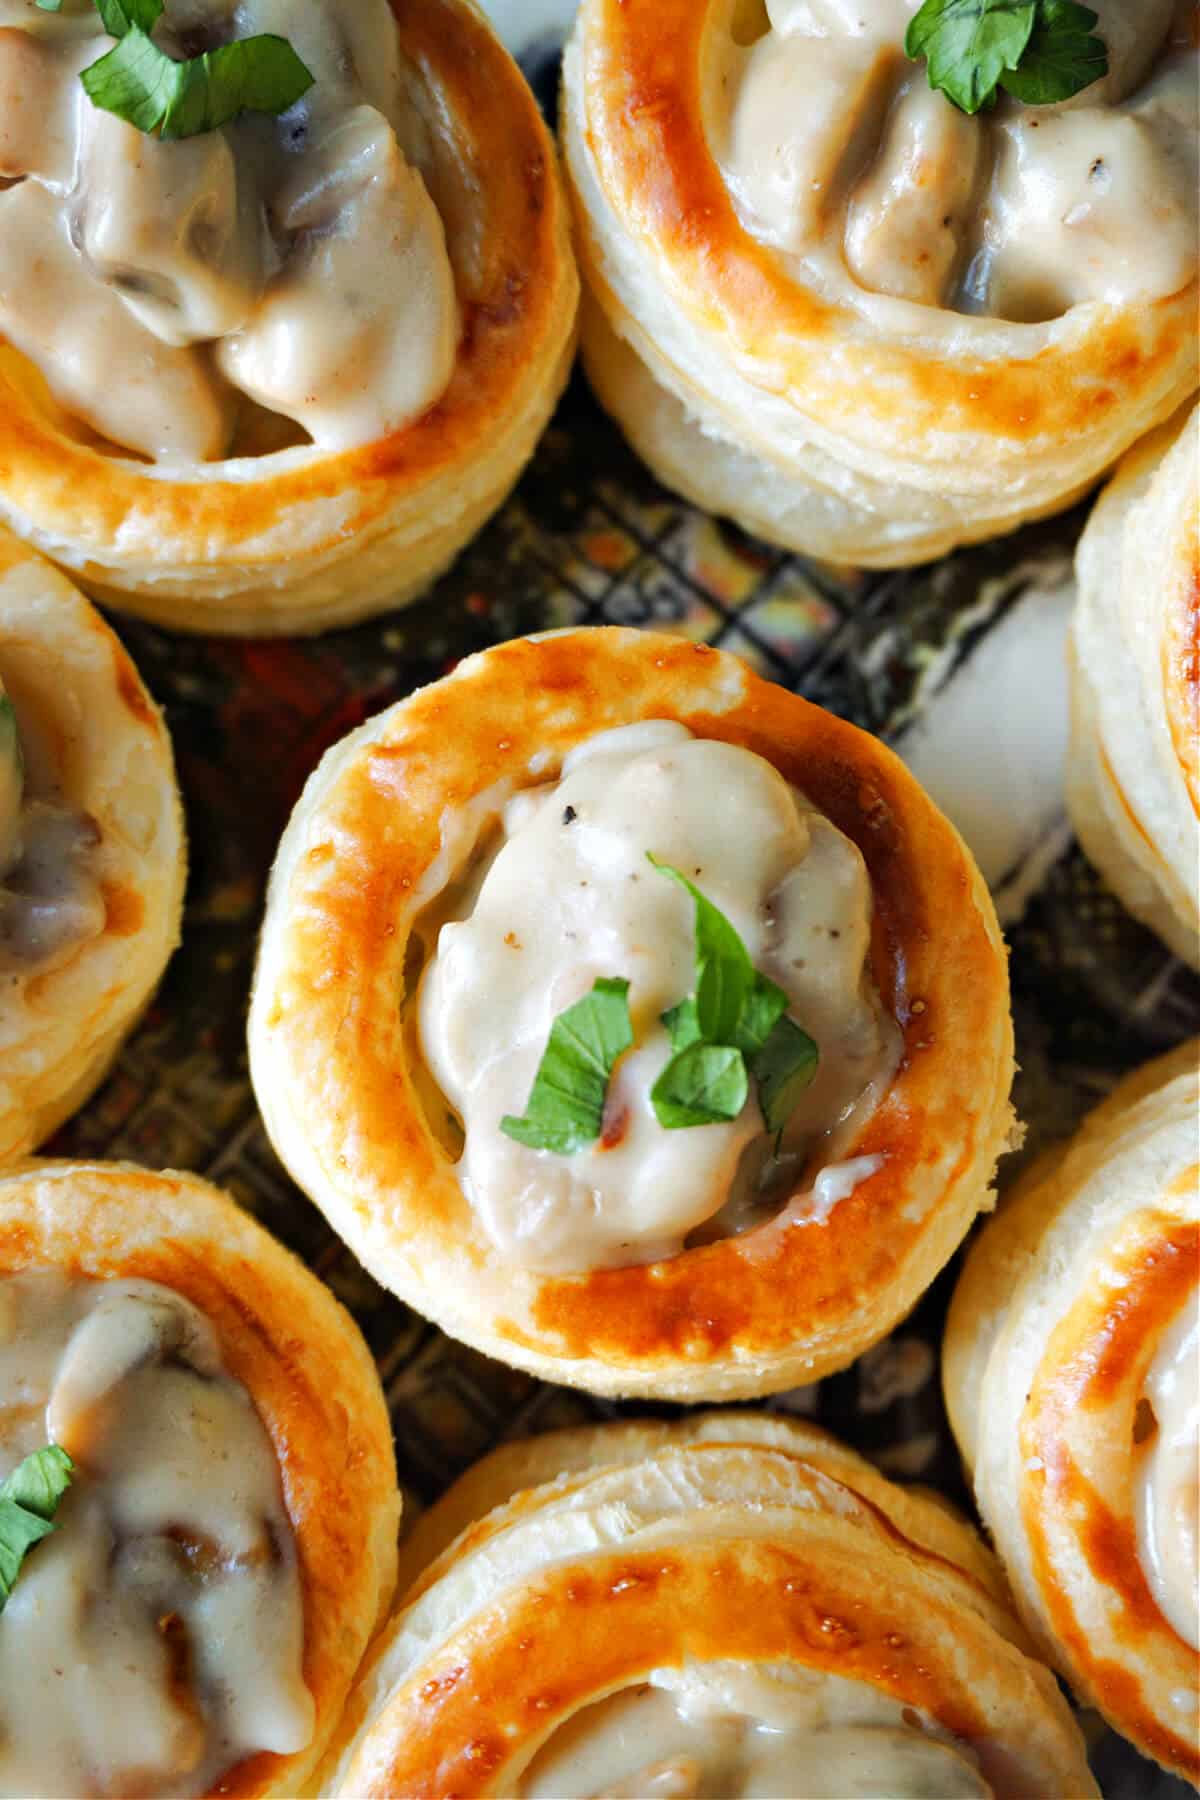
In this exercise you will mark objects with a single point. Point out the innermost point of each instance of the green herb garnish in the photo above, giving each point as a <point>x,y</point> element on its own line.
<point>121,16</point>
<point>565,1109</point>
<point>732,1027</point>
<point>783,1068</point>
<point>738,1016</point>
<point>28,1502</point>
<point>144,86</point>
<point>704,1084</point>
<point>1040,51</point>
<point>1062,56</point>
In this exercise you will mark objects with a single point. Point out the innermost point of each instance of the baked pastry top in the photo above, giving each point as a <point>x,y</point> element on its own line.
<point>226,1542</point>
<point>838,152</point>
<point>298,263</point>
<point>731,1605</point>
<point>1133,781</point>
<point>91,848</point>
<point>274,374</point>
<point>868,325</point>
<point>1070,1372</point>
<point>641,1023</point>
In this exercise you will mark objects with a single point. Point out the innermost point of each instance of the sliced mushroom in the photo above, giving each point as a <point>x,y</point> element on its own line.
<point>40,99</point>
<point>122,1333</point>
<point>360,325</point>
<point>162,402</point>
<point>171,228</point>
<point>805,115</point>
<point>1134,32</point>
<point>352,50</point>
<point>1087,205</point>
<point>910,215</point>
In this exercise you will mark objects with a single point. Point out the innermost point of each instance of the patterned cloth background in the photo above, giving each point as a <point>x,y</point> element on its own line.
<point>951,663</point>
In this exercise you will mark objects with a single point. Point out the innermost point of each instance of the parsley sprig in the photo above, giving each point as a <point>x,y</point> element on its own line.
<point>565,1110</point>
<point>28,1502</point>
<point>141,84</point>
<point>1040,51</point>
<point>732,1026</point>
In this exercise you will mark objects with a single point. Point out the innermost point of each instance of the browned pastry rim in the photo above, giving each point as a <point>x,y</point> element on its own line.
<point>734,1538</point>
<point>1097,1360</point>
<point>508,241</point>
<point>334,1072</point>
<point>1059,1314</point>
<point>297,1354</point>
<point>1018,391</point>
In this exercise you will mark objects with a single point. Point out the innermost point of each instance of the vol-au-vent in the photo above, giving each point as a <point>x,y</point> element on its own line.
<point>192,1438</point>
<point>873,277</point>
<point>1071,1358</point>
<point>732,1605</point>
<point>272,340</point>
<point>294,265</point>
<point>173,1531</point>
<point>1133,778</point>
<point>639,1022</point>
<point>91,848</point>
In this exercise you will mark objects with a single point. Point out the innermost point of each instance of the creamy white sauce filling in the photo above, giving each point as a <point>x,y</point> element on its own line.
<point>296,263</point>
<point>737,1732</point>
<point>838,153</point>
<point>569,897</point>
<point>51,901</point>
<point>1167,1481</point>
<point>156,1638</point>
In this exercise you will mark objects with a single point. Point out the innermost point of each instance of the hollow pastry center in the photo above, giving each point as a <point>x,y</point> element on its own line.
<point>570,897</point>
<point>185,298</point>
<point>1167,1480</point>
<point>155,1639</point>
<point>50,897</point>
<point>839,153</point>
<point>732,1732</point>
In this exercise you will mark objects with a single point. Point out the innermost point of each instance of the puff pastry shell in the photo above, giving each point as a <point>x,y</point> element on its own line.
<point>868,433</point>
<point>347,1101</point>
<point>304,539</point>
<point>731,1538</point>
<point>1057,1318</point>
<point>1134,773</point>
<point>296,1352</point>
<point>70,678</point>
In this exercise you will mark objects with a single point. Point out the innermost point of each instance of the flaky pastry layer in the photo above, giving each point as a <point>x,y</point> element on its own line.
<point>1055,1322</point>
<point>60,1028</point>
<point>304,539</point>
<point>733,1538</point>
<point>297,1353</point>
<point>1134,774</point>
<point>346,1096</point>
<point>863,433</point>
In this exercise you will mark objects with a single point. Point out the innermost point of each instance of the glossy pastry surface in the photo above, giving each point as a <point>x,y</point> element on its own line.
<point>872,327</point>
<point>469,872</point>
<point>1070,1370</point>
<point>734,1605</point>
<point>91,848</point>
<point>271,376</point>
<point>226,1541</point>
<point>1134,773</point>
